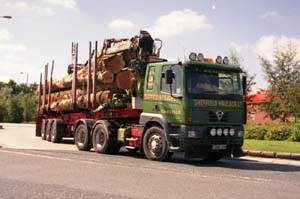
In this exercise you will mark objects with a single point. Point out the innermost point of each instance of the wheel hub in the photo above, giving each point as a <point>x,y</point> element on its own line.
<point>155,144</point>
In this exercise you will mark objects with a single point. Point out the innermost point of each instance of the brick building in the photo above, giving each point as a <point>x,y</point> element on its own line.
<point>254,108</point>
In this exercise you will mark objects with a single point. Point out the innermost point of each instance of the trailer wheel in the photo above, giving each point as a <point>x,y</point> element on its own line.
<point>82,138</point>
<point>43,129</point>
<point>56,134</point>
<point>48,130</point>
<point>102,141</point>
<point>155,144</point>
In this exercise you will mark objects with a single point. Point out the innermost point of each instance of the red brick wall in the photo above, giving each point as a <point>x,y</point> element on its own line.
<point>256,116</point>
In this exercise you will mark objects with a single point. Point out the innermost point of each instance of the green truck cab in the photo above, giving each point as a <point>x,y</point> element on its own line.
<point>195,107</point>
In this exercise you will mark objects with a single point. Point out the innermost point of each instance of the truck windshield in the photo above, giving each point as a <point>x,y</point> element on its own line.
<point>213,82</point>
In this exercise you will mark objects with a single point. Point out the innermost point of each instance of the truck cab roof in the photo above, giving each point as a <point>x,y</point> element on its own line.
<point>199,65</point>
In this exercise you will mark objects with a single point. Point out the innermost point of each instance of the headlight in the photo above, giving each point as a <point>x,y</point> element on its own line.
<point>193,56</point>
<point>231,132</point>
<point>213,132</point>
<point>219,132</point>
<point>219,60</point>
<point>200,57</point>
<point>226,60</point>
<point>225,132</point>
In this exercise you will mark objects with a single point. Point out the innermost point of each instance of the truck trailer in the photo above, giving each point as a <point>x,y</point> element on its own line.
<point>194,106</point>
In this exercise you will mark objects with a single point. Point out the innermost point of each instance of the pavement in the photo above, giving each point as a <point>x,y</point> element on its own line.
<point>32,142</point>
<point>33,168</point>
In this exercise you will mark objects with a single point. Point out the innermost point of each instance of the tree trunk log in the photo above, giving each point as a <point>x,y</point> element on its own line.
<point>106,77</point>
<point>114,63</point>
<point>124,79</point>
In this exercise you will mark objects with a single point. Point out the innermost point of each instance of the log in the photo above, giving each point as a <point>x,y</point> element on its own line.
<point>106,77</point>
<point>118,47</point>
<point>124,79</point>
<point>63,102</point>
<point>114,63</point>
<point>113,76</point>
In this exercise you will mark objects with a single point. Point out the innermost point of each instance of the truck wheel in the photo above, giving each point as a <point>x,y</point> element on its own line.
<point>56,134</point>
<point>155,144</point>
<point>43,129</point>
<point>48,130</point>
<point>102,141</point>
<point>37,133</point>
<point>213,157</point>
<point>82,138</point>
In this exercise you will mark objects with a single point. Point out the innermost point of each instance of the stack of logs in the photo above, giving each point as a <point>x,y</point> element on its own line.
<point>113,75</point>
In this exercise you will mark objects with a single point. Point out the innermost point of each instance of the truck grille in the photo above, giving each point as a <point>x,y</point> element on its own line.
<point>211,116</point>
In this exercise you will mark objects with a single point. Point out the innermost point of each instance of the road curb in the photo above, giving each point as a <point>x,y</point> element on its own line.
<point>265,154</point>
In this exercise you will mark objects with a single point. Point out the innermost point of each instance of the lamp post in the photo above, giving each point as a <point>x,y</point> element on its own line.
<point>26,86</point>
<point>6,17</point>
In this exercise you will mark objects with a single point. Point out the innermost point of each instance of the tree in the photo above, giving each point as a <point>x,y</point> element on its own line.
<point>28,104</point>
<point>2,110</point>
<point>14,86</point>
<point>14,109</point>
<point>283,76</point>
<point>236,59</point>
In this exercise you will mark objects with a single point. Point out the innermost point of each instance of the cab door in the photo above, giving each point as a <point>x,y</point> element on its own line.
<point>151,88</point>
<point>170,103</point>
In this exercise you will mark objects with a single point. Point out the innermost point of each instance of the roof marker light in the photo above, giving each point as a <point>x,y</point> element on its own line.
<point>193,56</point>
<point>219,60</point>
<point>200,57</point>
<point>226,60</point>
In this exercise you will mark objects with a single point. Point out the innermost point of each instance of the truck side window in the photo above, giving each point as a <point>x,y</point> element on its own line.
<point>150,80</point>
<point>177,81</point>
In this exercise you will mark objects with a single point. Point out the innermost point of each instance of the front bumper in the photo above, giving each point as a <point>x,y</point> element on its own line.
<point>202,143</point>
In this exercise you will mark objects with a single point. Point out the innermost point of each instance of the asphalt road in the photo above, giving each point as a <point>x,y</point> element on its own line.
<point>32,168</point>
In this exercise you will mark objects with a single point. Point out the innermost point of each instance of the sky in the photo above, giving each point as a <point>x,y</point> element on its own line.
<point>43,30</point>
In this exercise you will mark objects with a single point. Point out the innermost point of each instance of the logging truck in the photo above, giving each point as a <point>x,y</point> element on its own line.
<point>125,95</point>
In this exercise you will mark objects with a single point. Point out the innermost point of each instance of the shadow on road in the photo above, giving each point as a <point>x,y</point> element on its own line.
<point>234,163</point>
<point>67,141</point>
<point>240,164</point>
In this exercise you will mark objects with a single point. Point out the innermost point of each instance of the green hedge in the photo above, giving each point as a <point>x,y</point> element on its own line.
<point>256,132</point>
<point>279,132</point>
<point>296,132</point>
<point>273,132</point>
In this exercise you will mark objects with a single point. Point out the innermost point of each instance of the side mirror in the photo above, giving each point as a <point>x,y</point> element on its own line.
<point>244,82</point>
<point>169,76</point>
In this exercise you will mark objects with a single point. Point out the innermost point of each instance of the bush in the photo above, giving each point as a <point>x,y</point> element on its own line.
<point>278,132</point>
<point>296,132</point>
<point>256,132</point>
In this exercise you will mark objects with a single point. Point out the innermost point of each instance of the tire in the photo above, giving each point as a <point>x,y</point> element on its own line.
<point>213,157</point>
<point>82,138</point>
<point>56,132</point>
<point>103,142</point>
<point>155,144</point>
<point>48,130</point>
<point>37,133</point>
<point>43,129</point>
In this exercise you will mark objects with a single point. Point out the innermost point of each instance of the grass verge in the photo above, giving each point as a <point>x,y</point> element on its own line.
<point>272,146</point>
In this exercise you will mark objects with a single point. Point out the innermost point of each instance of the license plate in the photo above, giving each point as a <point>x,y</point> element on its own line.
<point>219,147</point>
